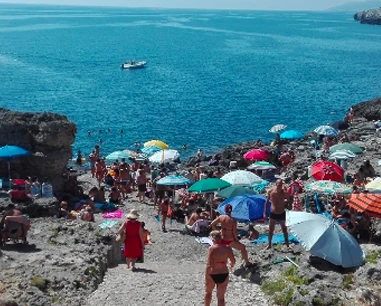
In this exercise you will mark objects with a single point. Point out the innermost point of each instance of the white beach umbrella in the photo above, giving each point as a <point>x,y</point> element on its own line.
<point>276,128</point>
<point>164,155</point>
<point>326,130</point>
<point>242,178</point>
<point>342,154</point>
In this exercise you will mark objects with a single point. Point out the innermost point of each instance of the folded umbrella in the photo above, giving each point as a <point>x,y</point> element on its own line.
<point>326,239</point>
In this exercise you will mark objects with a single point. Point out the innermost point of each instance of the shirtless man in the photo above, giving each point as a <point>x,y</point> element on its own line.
<point>216,272</point>
<point>93,158</point>
<point>194,217</point>
<point>277,196</point>
<point>229,233</point>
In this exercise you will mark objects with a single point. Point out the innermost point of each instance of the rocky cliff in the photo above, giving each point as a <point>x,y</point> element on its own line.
<point>372,16</point>
<point>370,110</point>
<point>48,138</point>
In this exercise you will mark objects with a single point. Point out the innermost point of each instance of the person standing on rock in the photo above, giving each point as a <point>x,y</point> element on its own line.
<point>229,233</point>
<point>134,239</point>
<point>278,197</point>
<point>216,272</point>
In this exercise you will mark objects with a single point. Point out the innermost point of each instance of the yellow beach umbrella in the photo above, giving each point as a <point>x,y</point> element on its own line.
<point>157,143</point>
<point>374,185</point>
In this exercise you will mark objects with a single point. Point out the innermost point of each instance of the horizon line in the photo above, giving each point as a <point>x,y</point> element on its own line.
<point>164,8</point>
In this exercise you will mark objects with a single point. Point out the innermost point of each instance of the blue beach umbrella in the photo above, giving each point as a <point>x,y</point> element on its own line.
<point>10,152</point>
<point>326,130</point>
<point>245,207</point>
<point>174,180</point>
<point>118,155</point>
<point>150,150</point>
<point>291,134</point>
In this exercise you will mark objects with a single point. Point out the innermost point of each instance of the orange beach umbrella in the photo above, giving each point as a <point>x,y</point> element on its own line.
<point>368,203</point>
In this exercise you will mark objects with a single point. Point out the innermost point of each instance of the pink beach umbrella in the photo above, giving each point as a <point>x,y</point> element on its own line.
<point>256,154</point>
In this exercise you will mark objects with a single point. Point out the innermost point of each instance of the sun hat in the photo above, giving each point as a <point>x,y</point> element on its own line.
<point>132,214</point>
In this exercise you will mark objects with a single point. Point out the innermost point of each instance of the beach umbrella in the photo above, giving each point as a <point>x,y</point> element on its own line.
<point>131,153</point>
<point>233,191</point>
<point>150,150</point>
<point>259,187</point>
<point>339,125</point>
<point>256,154</point>
<point>374,185</point>
<point>346,146</point>
<point>156,143</point>
<point>291,134</point>
<point>324,238</point>
<point>208,185</point>
<point>9,152</point>
<point>328,187</point>
<point>368,203</point>
<point>323,170</point>
<point>276,128</point>
<point>174,180</point>
<point>326,130</point>
<point>242,178</point>
<point>118,155</point>
<point>342,154</point>
<point>261,165</point>
<point>164,156</point>
<point>245,207</point>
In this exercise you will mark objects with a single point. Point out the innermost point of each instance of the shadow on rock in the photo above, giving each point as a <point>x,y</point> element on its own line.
<point>322,265</point>
<point>250,273</point>
<point>146,271</point>
<point>22,248</point>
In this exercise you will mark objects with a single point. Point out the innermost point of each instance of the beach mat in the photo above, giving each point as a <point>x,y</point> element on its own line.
<point>117,214</point>
<point>108,224</point>
<point>204,240</point>
<point>277,239</point>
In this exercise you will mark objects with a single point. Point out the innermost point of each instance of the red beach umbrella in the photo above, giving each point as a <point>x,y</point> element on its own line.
<point>256,154</point>
<point>323,170</point>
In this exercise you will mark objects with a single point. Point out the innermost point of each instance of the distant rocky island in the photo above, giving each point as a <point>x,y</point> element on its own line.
<point>372,16</point>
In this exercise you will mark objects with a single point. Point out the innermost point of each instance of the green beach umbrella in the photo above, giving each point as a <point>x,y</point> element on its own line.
<point>328,187</point>
<point>346,146</point>
<point>233,191</point>
<point>261,165</point>
<point>208,185</point>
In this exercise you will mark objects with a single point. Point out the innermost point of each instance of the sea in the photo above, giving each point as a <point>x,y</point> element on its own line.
<point>213,77</point>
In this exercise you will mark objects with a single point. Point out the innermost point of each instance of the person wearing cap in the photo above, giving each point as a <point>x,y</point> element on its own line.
<point>229,233</point>
<point>134,239</point>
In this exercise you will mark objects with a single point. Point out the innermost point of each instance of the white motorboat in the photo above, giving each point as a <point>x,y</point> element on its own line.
<point>133,65</point>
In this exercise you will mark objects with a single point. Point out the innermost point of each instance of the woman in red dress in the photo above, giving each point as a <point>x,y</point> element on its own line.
<point>134,241</point>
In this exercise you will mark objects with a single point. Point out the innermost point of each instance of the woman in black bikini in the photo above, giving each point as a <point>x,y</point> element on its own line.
<point>216,272</point>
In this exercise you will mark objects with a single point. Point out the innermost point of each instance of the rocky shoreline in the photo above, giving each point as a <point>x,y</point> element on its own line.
<point>372,16</point>
<point>68,261</point>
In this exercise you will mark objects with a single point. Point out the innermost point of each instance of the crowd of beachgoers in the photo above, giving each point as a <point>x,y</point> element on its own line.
<point>175,197</point>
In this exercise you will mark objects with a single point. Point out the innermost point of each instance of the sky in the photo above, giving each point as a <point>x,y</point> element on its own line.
<point>206,4</point>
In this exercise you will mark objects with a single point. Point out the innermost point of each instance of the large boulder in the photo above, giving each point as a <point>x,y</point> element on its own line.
<point>372,16</point>
<point>47,136</point>
<point>370,110</point>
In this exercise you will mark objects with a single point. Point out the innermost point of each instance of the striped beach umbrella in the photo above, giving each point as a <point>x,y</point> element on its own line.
<point>261,165</point>
<point>326,130</point>
<point>276,128</point>
<point>328,187</point>
<point>342,154</point>
<point>346,146</point>
<point>174,180</point>
<point>368,203</point>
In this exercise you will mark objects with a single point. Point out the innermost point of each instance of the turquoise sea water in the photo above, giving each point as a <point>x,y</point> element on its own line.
<point>213,77</point>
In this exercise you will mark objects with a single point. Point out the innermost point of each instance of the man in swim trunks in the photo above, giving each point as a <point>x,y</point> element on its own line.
<point>216,272</point>
<point>278,197</point>
<point>229,233</point>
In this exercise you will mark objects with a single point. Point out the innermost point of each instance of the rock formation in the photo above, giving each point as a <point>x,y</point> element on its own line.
<point>372,16</point>
<point>48,138</point>
<point>370,110</point>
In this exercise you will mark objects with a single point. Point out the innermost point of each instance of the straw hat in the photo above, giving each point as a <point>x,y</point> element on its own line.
<point>132,214</point>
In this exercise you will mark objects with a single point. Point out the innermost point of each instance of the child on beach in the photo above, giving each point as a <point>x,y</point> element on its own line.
<point>163,212</point>
<point>146,234</point>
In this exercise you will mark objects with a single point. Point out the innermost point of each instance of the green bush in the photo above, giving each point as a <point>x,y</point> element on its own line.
<point>271,287</point>
<point>285,298</point>
<point>39,282</point>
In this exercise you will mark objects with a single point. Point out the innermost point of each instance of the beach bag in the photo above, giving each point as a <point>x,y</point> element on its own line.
<point>122,236</point>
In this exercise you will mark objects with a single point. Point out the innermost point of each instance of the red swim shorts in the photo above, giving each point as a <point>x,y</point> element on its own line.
<point>225,242</point>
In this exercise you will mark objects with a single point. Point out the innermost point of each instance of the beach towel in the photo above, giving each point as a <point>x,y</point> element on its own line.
<point>204,240</point>
<point>104,206</point>
<point>117,214</point>
<point>108,224</point>
<point>277,239</point>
